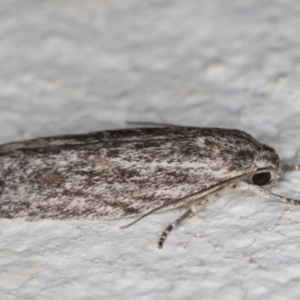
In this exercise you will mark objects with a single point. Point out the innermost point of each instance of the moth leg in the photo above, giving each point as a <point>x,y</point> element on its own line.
<point>195,207</point>
<point>269,195</point>
<point>172,226</point>
<point>286,168</point>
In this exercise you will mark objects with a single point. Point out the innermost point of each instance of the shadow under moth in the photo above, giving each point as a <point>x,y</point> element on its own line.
<point>132,172</point>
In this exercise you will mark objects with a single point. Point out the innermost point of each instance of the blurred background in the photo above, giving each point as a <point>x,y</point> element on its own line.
<point>79,66</point>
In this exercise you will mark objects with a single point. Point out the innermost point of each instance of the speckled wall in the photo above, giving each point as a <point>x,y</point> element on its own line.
<point>79,66</point>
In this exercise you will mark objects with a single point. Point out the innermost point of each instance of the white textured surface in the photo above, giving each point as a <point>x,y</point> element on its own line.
<point>79,66</point>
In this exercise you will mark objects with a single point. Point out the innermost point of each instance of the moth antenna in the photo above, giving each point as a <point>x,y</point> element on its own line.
<point>137,123</point>
<point>206,192</point>
<point>161,207</point>
<point>143,216</point>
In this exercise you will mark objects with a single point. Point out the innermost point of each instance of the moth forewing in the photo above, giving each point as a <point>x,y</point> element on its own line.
<point>132,172</point>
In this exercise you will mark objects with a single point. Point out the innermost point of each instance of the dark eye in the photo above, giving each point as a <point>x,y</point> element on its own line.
<point>261,178</point>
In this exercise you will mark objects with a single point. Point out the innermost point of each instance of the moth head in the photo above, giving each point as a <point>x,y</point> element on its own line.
<point>266,167</point>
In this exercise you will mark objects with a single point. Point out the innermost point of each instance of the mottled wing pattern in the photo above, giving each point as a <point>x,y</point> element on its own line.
<point>114,174</point>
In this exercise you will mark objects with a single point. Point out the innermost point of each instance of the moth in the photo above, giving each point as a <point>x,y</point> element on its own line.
<point>132,172</point>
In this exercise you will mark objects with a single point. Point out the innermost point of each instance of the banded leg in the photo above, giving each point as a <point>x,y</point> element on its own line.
<point>269,195</point>
<point>286,168</point>
<point>172,226</point>
<point>195,207</point>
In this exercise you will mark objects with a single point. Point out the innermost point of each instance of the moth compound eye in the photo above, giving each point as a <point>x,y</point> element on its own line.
<point>261,178</point>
